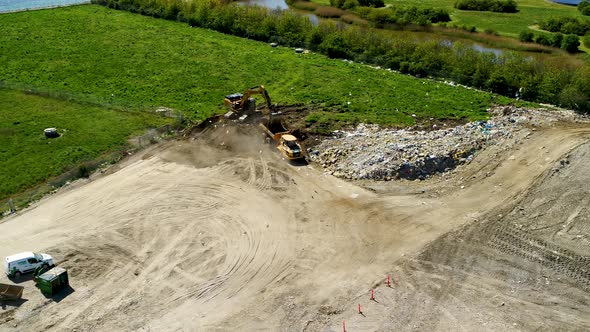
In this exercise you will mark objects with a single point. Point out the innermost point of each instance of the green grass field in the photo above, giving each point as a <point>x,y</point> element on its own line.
<point>530,13</point>
<point>101,56</point>
<point>96,53</point>
<point>27,158</point>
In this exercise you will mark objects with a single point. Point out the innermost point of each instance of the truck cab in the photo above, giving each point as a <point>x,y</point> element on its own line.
<point>26,262</point>
<point>290,147</point>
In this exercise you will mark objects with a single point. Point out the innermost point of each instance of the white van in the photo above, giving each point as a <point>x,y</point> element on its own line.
<point>24,262</point>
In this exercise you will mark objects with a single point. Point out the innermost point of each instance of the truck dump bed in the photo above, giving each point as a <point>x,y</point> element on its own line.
<point>11,292</point>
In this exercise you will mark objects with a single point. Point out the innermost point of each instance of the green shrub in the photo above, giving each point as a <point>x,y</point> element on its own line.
<point>83,171</point>
<point>584,7</point>
<point>586,40</point>
<point>543,39</point>
<point>403,16</point>
<point>571,97</point>
<point>336,46</point>
<point>556,40</point>
<point>526,36</point>
<point>570,43</point>
<point>349,4</point>
<point>566,25</point>
<point>500,6</point>
<point>372,3</point>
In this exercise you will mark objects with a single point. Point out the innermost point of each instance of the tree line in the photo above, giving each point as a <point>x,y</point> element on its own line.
<point>509,73</point>
<point>568,43</point>
<point>566,25</point>
<point>398,15</point>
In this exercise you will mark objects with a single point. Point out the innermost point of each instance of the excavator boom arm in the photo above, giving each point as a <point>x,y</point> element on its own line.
<point>256,90</point>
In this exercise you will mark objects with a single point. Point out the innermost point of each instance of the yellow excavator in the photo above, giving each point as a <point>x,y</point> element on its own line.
<point>243,106</point>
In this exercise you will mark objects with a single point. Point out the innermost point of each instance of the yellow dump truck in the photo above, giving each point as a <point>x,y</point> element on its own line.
<point>287,144</point>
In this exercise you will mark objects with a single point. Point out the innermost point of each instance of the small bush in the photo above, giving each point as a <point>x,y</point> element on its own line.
<point>543,39</point>
<point>349,4</point>
<point>571,97</point>
<point>526,36</point>
<point>556,40</point>
<point>336,46</point>
<point>469,28</point>
<point>570,43</point>
<point>83,171</point>
<point>372,3</point>
<point>329,12</point>
<point>500,6</point>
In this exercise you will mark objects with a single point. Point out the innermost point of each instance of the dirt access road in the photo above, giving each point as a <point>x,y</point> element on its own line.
<point>220,234</point>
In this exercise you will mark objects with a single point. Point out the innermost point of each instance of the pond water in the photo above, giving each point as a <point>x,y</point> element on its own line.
<point>483,49</point>
<point>271,4</point>
<point>17,5</point>
<point>279,4</point>
<point>568,2</point>
<point>477,47</point>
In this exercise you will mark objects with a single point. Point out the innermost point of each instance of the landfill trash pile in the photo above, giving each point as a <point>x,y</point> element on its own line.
<point>370,152</point>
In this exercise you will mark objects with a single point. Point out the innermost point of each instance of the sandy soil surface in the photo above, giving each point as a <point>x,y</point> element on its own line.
<point>219,234</point>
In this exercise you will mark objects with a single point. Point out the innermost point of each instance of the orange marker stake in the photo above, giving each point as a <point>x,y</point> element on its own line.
<point>343,326</point>
<point>360,312</point>
<point>388,281</point>
<point>373,294</point>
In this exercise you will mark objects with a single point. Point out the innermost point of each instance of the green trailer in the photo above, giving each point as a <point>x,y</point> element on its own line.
<point>52,281</point>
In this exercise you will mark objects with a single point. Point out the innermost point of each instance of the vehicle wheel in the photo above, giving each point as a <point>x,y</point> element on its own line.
<point>45,266</point>
<point>17,274</point>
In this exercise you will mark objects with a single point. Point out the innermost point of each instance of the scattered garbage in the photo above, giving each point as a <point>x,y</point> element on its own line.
<point>370,152</point>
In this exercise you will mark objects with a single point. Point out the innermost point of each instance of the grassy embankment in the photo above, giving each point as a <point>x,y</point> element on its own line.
<point>94,53</point>
<point>91,51</point>
<point>508,24</point>
<point>27,158</point>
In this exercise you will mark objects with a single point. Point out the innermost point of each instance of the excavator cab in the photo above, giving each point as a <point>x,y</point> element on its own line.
<point>239,104</point>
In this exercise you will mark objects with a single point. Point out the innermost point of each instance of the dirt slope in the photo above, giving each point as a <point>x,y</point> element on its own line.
<point>220,234</point>
<point>525,266</point>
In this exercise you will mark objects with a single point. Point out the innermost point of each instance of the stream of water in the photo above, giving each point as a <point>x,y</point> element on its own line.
<point>18,5</point>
